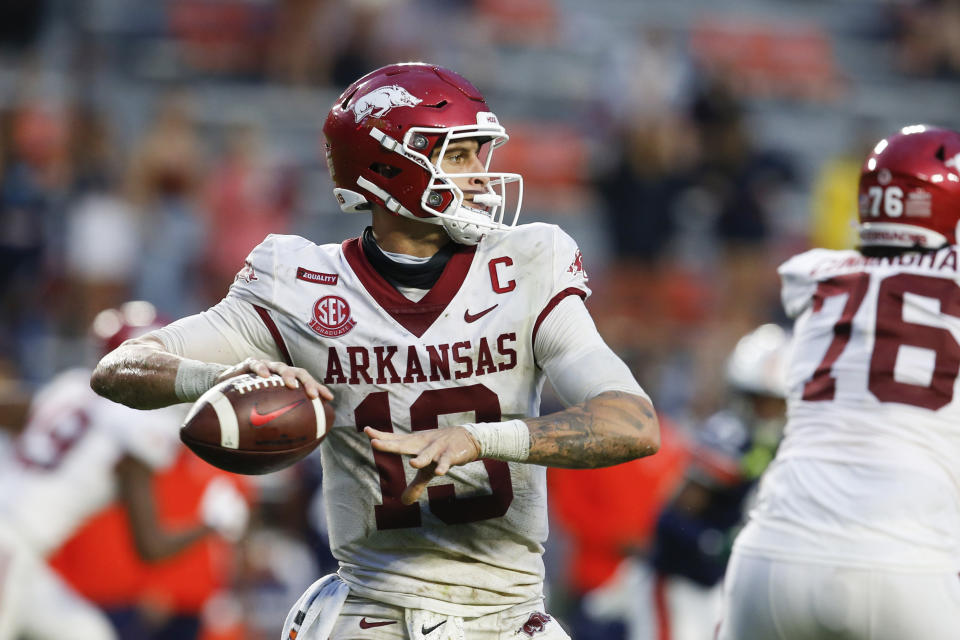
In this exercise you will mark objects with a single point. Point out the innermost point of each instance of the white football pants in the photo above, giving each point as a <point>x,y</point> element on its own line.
<point>36,603</point>
<point>768,599</point>
<point>362,619</point>
<point>359,618</point>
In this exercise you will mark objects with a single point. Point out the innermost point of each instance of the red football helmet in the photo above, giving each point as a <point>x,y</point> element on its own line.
<point>910,189</point>
<point>382,132</point>
<point>130,320</point>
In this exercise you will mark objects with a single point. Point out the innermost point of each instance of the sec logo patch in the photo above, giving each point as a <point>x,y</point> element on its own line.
<point>331,317</point>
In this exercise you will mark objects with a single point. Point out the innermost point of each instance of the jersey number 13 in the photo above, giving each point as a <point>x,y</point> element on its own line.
<point>374,411</point>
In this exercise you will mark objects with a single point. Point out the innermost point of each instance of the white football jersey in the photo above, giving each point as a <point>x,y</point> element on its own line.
<point>462,353</point>
<point>63,467</point>
<point>868,471</point>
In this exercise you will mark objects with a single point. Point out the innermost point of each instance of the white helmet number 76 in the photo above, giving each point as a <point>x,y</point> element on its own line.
<point>892,198</point>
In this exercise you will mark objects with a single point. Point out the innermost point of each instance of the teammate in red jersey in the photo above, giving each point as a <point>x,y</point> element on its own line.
<point>856,532</point>
<point>432,335</point>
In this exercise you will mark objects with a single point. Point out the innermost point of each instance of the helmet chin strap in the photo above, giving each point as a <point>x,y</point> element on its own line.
<point>460,231</point>
<point>391,203</point>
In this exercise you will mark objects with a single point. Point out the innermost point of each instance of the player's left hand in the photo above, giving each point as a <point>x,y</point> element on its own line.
<point>434,452</point>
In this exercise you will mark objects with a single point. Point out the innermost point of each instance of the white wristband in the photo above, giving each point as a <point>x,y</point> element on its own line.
<point>508,440</point>
<point>194,378</point>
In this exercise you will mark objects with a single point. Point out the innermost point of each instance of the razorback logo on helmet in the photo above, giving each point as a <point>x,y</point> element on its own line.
<point>576,267</point>
<point>536,623</point>
<point>954,162</point>
<point>382,100</point>
<point>247,274</point>
<point>331,317</point>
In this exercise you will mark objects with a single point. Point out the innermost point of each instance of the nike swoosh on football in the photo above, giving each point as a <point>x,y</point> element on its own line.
<point>258,419</point>
<point>471,317</point>
<point>365,624</point>
<point>424,630</point>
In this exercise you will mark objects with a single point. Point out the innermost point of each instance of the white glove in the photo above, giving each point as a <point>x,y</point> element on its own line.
<point>224,509</point>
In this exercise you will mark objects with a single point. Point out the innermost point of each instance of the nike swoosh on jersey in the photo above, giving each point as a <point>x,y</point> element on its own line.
<point>365,624</point>
<point>424,629</point>
<point>471,317</point>
<point>258,419</point>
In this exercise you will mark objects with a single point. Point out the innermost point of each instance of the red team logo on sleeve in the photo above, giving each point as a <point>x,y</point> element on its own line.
<point>331,317</point>
<point>247,274</point>
<point>576,267</point>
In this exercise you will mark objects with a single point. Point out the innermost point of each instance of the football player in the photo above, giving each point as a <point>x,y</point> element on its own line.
<point>857,528</point>
<point>729,451</point>
<point>432,335</point>
<point>77,453</point>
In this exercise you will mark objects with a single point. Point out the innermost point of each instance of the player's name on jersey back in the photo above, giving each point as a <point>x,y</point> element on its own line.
<point>943,260</point>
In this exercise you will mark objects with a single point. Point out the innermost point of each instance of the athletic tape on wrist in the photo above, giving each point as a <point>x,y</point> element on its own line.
<point>194,378</point>
<point>508,440</point>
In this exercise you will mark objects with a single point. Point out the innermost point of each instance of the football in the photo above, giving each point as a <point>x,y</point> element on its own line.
<point>253,425</point>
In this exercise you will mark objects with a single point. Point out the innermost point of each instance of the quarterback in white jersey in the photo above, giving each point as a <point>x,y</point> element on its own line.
<point>77,453</point>
<point>857,529</point>
<point>432,335</point>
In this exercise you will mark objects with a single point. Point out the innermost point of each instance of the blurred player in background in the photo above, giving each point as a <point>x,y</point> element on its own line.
<point>729,452</point>
<point>76,453</point>
<point>856,532</point>
<point>607,518</point>
<point>435,331</point>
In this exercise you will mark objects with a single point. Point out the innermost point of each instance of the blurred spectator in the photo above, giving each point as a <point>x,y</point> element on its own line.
<point>929,40</point>
<point>248,197</point>
<point>33,187</point>
<point>164,183</point>
<point>226,37</point>
<point>741,178</point>
<point>297,55</point>
<point>649,76</point>
<point>102,251</point>
<point>103,235</point>
<point>375,33</point>
<point>642,189</point>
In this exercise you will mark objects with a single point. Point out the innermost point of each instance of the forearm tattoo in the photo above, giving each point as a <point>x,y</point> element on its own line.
<point>611,428</point>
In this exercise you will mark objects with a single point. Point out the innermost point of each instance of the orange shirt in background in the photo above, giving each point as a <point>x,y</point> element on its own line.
<point>608,512</point>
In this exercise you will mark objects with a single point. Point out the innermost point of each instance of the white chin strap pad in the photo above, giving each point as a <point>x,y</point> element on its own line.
<point>462,230</point>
